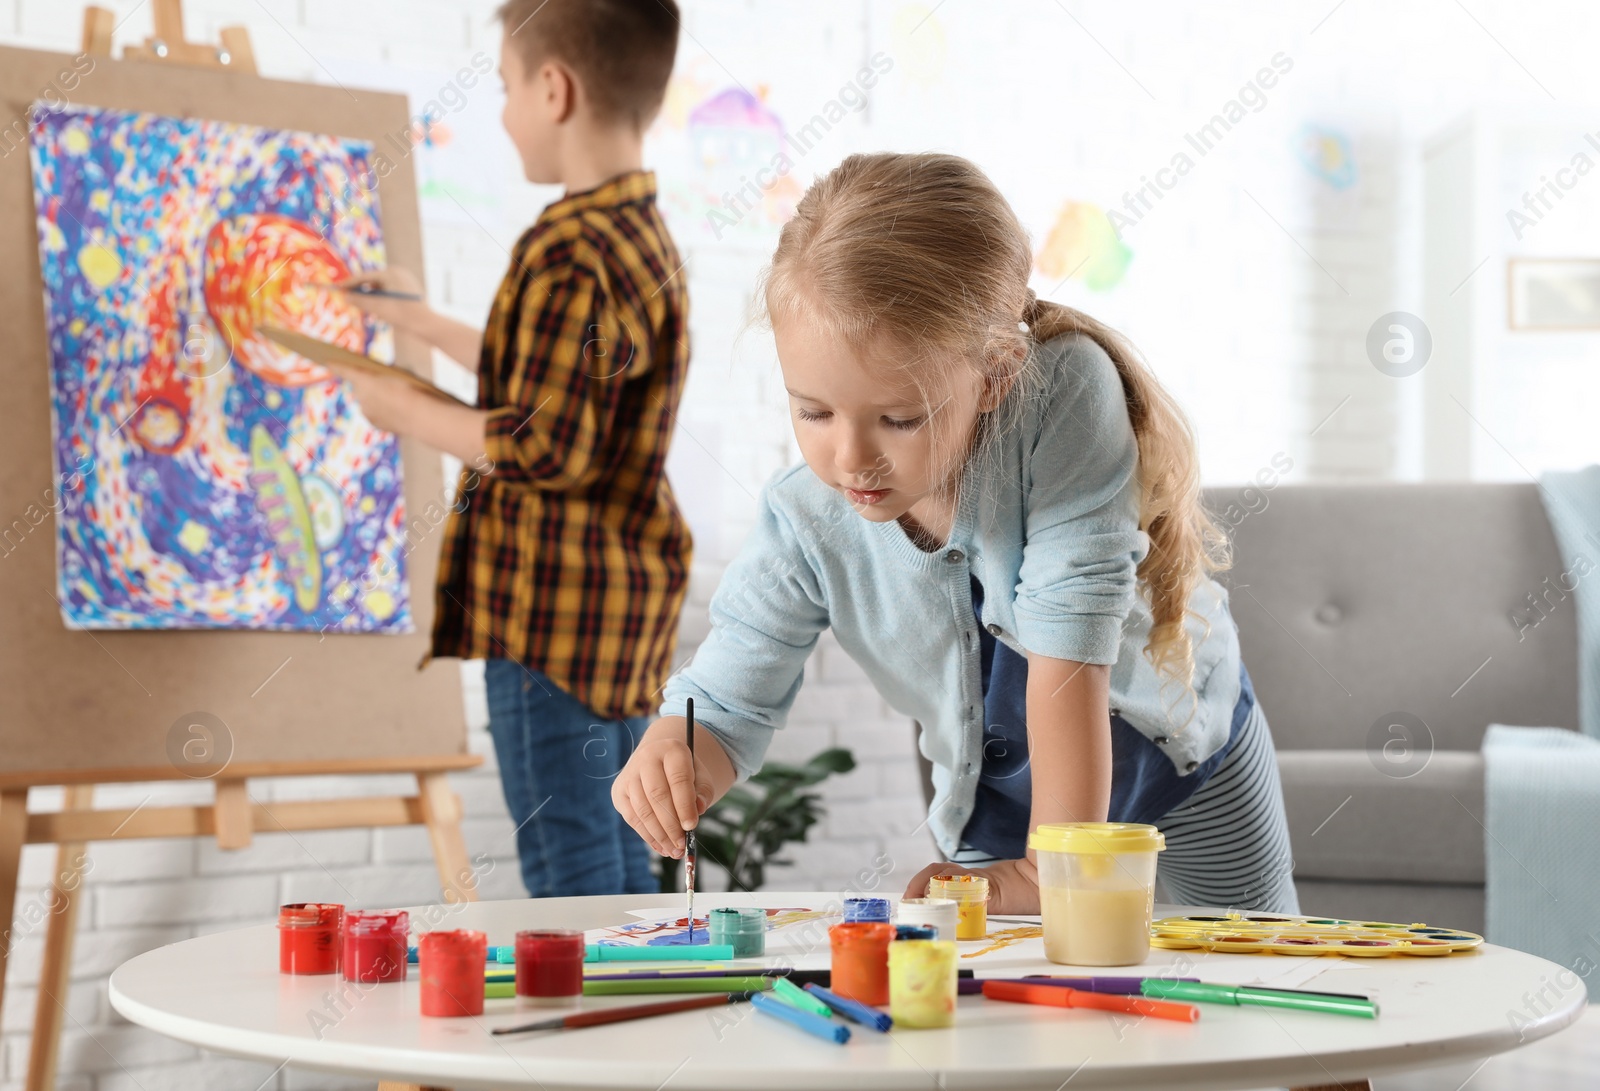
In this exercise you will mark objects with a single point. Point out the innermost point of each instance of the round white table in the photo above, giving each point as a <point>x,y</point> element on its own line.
<point>223,992</point>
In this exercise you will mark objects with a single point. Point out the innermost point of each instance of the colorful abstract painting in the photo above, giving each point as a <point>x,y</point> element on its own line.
<point>206,477</point>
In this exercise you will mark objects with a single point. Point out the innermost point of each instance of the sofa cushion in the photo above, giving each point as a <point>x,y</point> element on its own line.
<point>1442,600</point>
<point>1349,821</point>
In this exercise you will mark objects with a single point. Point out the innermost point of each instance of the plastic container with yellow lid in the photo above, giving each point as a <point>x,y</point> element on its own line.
<point>1096,890</point>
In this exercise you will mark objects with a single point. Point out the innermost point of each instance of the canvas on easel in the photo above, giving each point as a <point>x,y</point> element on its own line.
<point>211,478</point>
<point>81,706</point>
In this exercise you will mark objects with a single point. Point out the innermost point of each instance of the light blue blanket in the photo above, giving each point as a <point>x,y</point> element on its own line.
<point>1572,504</point>
<point>1542,812</point>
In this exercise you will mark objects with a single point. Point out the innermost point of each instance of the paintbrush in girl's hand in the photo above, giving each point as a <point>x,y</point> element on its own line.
<point>688,854</point>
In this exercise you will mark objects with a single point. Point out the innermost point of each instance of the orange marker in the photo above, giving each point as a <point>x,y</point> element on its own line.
<point>1061,997</point>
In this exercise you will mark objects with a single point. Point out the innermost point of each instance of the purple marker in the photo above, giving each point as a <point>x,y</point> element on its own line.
<point>1123,986</point>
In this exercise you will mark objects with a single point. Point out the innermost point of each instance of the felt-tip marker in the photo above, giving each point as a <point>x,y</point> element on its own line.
<point>1019,993</point>
<point>686,952</point>
<point>853,1010</point>
<point>506,956</point>
<point>815,1025</point>
<point>1294,999</point>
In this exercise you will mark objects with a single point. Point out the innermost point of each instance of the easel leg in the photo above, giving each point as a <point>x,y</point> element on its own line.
<point>1348,1085</point>
<point>55,978</point>
<point>13,829</point>
<point>441,810</point>
<point>388,1085</point>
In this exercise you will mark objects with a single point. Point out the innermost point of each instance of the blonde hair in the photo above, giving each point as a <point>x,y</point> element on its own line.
<point>923,250</point>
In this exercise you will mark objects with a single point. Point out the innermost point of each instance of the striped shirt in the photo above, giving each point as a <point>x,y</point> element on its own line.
<point>570,555</point>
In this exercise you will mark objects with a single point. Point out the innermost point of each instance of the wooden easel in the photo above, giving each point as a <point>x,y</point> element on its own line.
<point>233,817</point>
<point>168,42</point>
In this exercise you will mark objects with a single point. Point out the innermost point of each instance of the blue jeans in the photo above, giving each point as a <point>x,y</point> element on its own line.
<point>557,761</point>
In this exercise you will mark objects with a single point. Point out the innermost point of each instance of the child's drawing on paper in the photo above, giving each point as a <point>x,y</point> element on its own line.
<point>208,478</point>
<point>657,931</point>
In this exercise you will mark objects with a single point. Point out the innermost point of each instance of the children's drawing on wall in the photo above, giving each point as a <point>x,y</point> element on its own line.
<point>1083,246</point>
<point>207,478</point>
<point>730,171</point>
<point>453,140</point>
<point>1326,154</point>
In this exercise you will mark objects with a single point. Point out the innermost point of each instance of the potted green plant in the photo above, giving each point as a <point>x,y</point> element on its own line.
<point>744,831</point>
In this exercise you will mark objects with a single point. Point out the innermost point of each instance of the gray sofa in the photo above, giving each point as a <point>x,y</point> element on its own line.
<point>1355,602</point>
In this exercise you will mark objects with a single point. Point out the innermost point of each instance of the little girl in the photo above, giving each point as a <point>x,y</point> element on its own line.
<point>999,518</point>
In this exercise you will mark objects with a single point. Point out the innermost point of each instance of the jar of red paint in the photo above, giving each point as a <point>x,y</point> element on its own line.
<point>450,965</point>
<point>308,938</point>
<point>375,945</point>
<point>549,967</point>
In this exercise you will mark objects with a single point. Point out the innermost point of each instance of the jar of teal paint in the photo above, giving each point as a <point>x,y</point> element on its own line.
<point>745,930</point>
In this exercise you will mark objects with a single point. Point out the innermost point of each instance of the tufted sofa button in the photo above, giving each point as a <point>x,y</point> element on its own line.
<point>1329,614</point>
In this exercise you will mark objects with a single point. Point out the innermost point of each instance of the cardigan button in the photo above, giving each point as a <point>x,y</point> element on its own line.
<point>1192,766</point>
<point>994,630</point>
<point>954,555</point>
<point>1160,740</point>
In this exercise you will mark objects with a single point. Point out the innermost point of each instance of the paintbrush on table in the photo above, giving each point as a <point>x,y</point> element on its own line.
<point>688,854</point>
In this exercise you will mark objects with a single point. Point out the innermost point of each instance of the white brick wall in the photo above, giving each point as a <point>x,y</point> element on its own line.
<point>1225,296</point>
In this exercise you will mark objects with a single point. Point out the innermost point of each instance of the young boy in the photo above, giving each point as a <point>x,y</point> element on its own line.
<point>565,563</point>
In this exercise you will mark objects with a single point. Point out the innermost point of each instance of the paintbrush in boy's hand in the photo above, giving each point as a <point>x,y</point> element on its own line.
<point>688,853</point>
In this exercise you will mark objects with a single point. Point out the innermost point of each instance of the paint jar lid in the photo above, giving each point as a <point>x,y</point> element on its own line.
<point>963,888</point>
<point>928,952</point>
<point>310,915</point>
<point>868,932</point>
<point>866,909</point>
<point>918,906</point>
<point>459,943</point>
<point>550,942</point>
<point>737,921</point>
<point>1097,837</point>
<point>377,922</point>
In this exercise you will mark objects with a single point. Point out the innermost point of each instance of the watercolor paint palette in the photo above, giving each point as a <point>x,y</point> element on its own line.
<point>1239,933</point>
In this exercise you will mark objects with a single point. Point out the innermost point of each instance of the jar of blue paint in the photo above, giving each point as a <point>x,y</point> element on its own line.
<point>866,910</point>
<point>745,930</point>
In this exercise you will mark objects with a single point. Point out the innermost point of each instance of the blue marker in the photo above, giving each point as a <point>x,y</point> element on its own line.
<point>853,1010</point>
<point>506,956</point>
<point>811,1024</point>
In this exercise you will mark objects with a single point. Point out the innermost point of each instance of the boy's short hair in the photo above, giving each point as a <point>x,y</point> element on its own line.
<point>621,50</point>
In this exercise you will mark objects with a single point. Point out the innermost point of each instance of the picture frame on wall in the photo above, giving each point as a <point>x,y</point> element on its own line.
<point>1553,293</point>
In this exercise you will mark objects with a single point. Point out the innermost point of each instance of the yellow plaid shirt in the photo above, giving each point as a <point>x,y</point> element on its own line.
<point>571,556</point>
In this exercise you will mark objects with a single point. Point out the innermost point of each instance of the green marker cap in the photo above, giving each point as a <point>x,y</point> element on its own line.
<point>790,993</point>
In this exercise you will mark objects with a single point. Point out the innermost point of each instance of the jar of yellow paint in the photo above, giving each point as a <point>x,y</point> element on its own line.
<point>922,982</point>
<point>971,895</point>
<point>1096,890</point>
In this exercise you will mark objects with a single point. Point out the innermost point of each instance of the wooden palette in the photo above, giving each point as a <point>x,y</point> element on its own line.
<point>1261,933</point>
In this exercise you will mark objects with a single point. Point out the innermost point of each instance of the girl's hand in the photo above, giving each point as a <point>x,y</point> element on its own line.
<point>660,792</point>
<point>410,315</point>
<point>1013,884</point>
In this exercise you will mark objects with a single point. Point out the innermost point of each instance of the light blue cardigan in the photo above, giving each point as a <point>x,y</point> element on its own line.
<point>1048,521</point>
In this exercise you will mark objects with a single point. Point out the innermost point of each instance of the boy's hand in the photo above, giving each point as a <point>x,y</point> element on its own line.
<point>410,315</point>
<point>1013,884</point>
<point>390,404</point>
<point>660,793</point>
